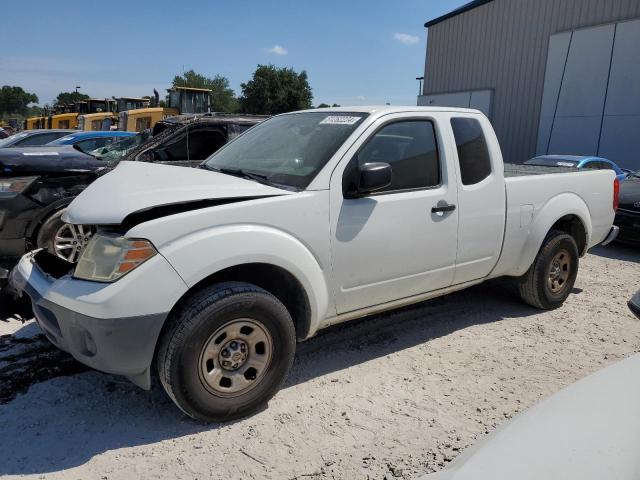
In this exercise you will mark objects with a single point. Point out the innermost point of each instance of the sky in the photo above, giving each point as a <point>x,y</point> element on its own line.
<point>355,52</point>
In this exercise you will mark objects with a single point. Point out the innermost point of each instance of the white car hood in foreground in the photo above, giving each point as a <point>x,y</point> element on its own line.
<point>136,186</point>
<point>588,431</point>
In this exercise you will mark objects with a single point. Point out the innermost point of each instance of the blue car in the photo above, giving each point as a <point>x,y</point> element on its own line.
<point>574,161</point>
<point>88,141</point>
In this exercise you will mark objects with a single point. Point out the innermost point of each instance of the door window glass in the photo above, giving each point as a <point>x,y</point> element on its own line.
<point>410,147</point>
<point>473,154</point>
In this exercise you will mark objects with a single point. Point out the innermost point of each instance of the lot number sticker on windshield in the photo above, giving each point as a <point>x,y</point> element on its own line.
<point>339,120</point>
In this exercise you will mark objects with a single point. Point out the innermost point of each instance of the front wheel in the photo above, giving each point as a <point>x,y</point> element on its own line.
<point>551,277</point>
<point>226,351</point>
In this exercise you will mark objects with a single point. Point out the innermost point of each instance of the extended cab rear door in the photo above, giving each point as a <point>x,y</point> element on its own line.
<point>400,241</point>
<point>481,196</point>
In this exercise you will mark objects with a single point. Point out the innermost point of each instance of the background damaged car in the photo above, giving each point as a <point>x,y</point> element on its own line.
<point>37,184</point>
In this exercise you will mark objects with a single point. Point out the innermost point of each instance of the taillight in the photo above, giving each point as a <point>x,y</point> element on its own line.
<point>616,193</point>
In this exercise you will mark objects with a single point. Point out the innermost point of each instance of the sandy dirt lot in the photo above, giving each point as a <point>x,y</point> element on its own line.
<point>396,395</point>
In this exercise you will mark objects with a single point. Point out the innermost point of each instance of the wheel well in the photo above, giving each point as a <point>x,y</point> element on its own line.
<point>34,229</point>
<point>275,280</point>
<point>572,225</point>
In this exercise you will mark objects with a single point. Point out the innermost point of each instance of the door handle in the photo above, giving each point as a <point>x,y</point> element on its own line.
<point>443,207</point>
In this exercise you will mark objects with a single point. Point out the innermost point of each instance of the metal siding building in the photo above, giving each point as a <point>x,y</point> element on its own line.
<point>504,56</point>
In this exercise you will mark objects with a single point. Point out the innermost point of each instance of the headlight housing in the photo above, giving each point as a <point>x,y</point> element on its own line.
<point>14,185</point>
<point>106,257</point>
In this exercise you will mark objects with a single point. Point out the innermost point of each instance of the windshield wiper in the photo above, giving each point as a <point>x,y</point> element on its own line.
<point>238,172</point>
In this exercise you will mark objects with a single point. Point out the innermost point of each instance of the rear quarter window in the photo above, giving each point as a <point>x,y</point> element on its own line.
<point>473,154</point>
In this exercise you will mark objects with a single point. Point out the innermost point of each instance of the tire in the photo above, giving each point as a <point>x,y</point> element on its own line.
<point>77,237</point>
<point>551,277</point>
<point>191,351</point>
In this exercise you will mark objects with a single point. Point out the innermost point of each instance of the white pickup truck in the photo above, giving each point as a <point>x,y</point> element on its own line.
<point>306,220</point>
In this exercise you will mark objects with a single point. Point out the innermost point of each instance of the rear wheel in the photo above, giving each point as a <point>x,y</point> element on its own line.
<point>551,277</point>
<point>226,352</point>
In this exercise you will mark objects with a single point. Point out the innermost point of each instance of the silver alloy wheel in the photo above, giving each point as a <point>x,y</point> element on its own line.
<point>70,241</point>
<point>236,357</point>
<point>559,271</point>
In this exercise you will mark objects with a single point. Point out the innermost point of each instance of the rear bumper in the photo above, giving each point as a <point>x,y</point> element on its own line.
<point>122,345</point>
<point>629,223</point>
<point>613,233</point>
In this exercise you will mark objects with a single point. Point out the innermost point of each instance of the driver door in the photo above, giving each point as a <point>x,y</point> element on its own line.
<point>397,242</point>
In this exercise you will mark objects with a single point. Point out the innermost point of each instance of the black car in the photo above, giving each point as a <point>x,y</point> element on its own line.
<point>628,213</point>
<point>634,304</point>
<point>36,184</point>
<point>34,138</point>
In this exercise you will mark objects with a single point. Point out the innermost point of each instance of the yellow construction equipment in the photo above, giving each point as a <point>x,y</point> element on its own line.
<point>179,99</point>
<point>68,117</point>
<point>97,121</point>
<point>34,123</point>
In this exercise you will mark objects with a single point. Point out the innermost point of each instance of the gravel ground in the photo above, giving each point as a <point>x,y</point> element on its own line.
<point>396,394</point>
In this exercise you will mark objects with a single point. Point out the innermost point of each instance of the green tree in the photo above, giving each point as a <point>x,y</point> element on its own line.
<point>68,98</point>
<point>274,90</point>
<point>14,100</point>
<point>323,105</point>
<point>34,111</point>
<point>222,97</point>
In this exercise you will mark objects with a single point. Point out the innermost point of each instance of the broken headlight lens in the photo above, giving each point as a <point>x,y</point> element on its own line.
<point>15,185</point>
<point>106,258</point>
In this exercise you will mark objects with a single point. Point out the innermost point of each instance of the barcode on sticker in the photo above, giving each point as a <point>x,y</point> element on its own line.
<point>339,120</point>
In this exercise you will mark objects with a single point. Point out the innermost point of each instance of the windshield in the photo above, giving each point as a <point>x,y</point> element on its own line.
<point>289,149</point>
<point>115,151</point>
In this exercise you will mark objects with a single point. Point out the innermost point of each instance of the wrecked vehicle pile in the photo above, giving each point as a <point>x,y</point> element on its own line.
<point>36,184</point>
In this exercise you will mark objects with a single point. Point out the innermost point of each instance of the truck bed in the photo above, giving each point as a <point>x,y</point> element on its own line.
<point>519,170</point>
<point>535,197</point>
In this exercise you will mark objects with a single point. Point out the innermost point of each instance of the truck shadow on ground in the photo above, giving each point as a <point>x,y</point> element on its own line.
<point>618,251</point>
<point>64,422</point>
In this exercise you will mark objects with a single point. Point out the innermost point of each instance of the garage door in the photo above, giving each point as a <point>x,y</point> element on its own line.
<point>591,99</point>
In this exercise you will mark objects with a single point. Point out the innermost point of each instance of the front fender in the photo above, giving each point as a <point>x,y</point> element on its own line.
<point>203,253</point>
<point>556,208</point>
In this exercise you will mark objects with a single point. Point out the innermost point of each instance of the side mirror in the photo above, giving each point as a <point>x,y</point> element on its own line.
<point>374,176</point>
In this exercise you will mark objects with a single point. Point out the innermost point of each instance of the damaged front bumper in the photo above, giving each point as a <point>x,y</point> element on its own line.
<point>111,327</point>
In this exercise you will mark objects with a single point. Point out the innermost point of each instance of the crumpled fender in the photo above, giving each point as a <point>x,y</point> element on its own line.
<point>205,252</point>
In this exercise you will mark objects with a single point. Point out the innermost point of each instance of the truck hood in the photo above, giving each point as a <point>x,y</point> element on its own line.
<point>43,160</point>
<point>135,187</point>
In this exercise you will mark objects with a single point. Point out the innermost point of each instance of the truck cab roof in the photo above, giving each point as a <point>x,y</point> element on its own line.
<point>387,109</point>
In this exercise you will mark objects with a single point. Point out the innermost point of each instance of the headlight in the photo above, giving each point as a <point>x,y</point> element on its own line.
<point>15,185</point>
<point>108,257</point>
